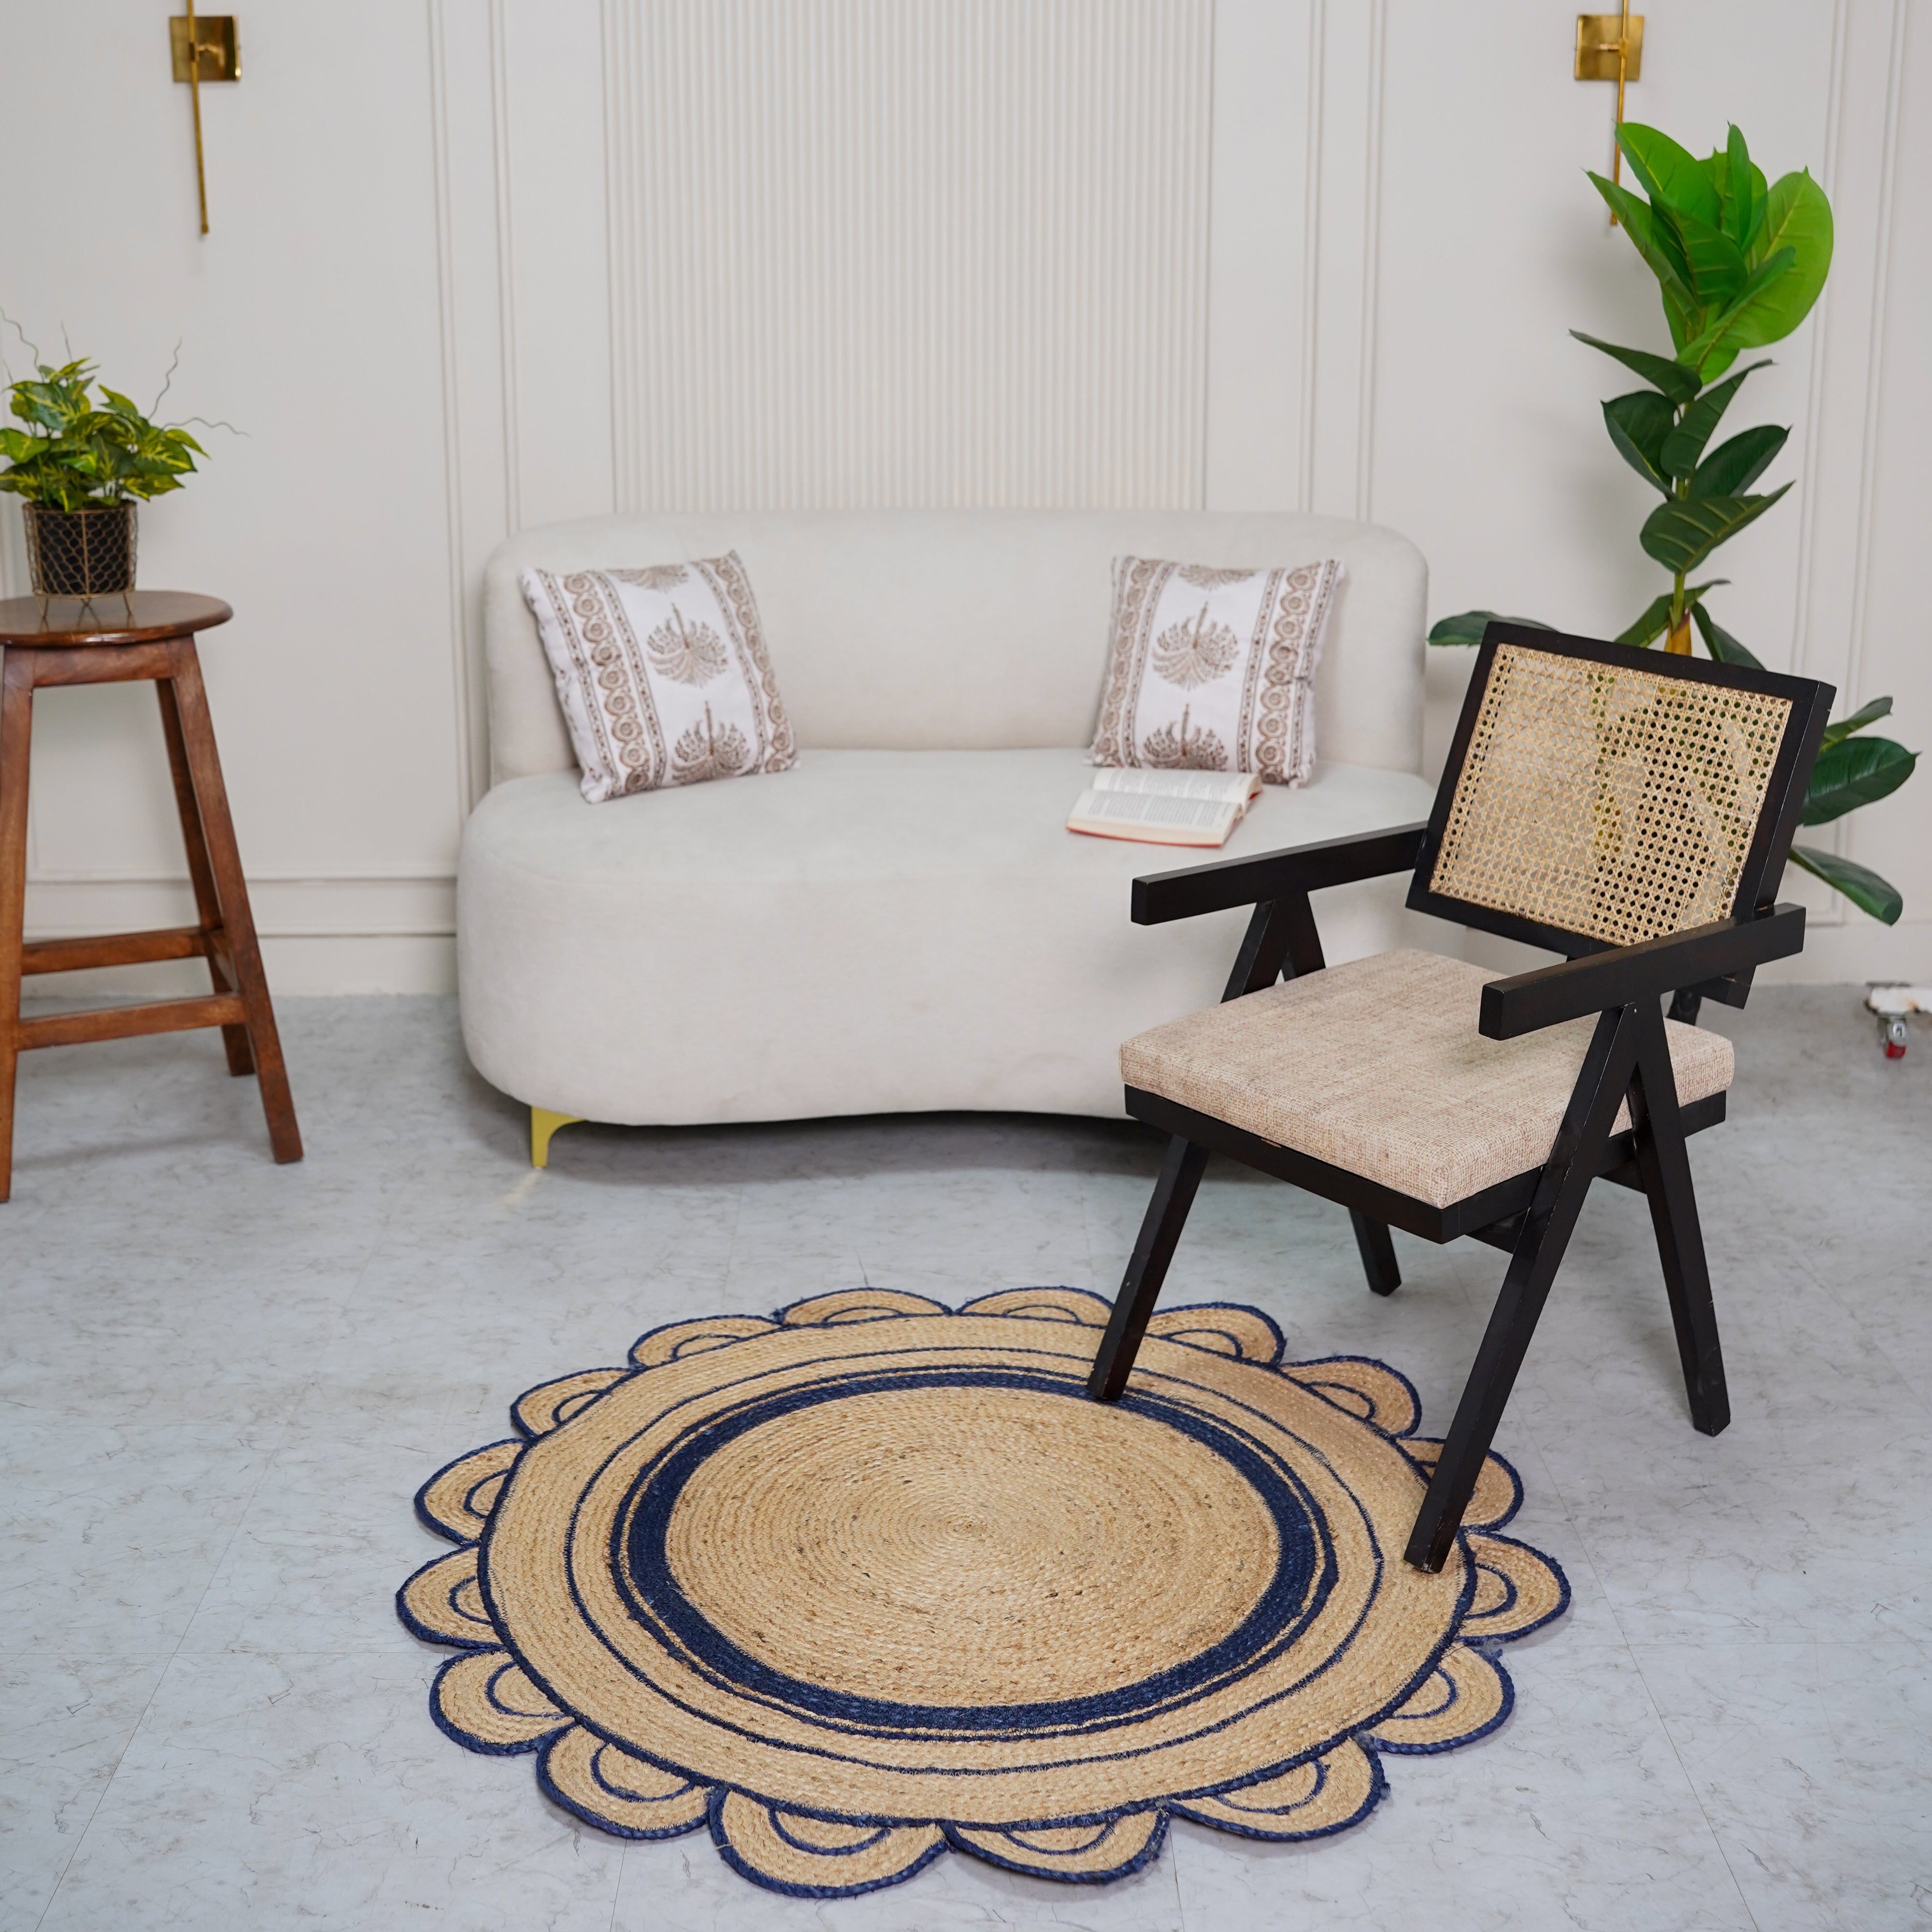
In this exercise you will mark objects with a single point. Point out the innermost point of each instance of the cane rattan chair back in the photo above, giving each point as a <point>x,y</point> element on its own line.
<point>1596,797</point>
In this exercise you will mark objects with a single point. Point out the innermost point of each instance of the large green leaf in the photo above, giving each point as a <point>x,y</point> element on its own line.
<point>1720,643</point>
<point>1639,423</point>
<point>1852,773</point>
<point>1653,237</point>
<point>1681,313</point>
<point>1670,173</point>
<point>1798,216</point>
<point>1685,443</point>
<point>1718,270</point>
<point>1677,381</point>
<point>1656,618</point>
<point>1732,467</point>
<point>1867,714</point>
<point>1681,533</point>
<point>1467,627</point>
<point>1859,883</point>
<point>1719,169</point>
<point>1713,350</point>
<point>1737,190</point>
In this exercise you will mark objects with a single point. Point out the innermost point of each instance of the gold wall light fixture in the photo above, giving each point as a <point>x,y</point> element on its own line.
<point>203,47</point>
<point>1609,47</point>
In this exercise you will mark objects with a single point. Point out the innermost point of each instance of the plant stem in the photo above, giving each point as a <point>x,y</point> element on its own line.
<point>1678,643</point>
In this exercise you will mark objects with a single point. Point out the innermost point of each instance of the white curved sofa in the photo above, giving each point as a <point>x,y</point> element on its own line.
<point>902,922</point>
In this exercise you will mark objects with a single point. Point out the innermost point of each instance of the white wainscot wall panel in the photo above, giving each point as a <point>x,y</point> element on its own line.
<point>542,260</point>
<point>926,253</point>
<point>306,318</point>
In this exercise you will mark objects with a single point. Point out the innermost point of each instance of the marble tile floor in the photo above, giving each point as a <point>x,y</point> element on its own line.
<point>221,1382</point>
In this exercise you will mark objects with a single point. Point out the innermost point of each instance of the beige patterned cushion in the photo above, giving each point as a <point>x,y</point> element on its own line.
<point>662,673</point>
<point>1212,670</point>
<point>1376,1067</point>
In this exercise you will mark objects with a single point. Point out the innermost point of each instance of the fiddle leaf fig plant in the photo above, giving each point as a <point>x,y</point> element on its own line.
<point>1739,263</point>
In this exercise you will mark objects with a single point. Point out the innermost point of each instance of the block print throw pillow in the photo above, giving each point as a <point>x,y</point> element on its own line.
<point>662,673</point>
<point>1212,669</point>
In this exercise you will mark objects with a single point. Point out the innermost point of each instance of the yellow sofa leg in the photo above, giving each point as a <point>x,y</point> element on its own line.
<point>543,1124</point>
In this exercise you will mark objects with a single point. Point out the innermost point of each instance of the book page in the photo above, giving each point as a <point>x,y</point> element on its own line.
<point>1227,788</point>
<point>1158,817</point>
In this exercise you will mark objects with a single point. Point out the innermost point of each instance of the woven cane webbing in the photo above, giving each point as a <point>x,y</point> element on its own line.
<point>1605,799</point>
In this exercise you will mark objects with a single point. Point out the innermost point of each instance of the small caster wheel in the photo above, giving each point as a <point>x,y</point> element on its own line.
<point>1891,1030</point>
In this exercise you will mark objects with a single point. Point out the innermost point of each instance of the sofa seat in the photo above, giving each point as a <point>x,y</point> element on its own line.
<point>872,931</point>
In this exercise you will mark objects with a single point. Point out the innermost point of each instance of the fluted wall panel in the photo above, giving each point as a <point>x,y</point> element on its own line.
<point>908,252</point>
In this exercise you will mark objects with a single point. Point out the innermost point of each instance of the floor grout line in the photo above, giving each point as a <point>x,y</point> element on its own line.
<point>213,1575</point>
<point>1703,1809</point>
<point>161,1678</point>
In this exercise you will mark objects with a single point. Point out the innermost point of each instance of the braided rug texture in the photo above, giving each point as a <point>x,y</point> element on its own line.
<point>866,1579</point>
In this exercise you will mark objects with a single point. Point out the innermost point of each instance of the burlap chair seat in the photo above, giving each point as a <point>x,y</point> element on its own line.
<point>1376,1067</point>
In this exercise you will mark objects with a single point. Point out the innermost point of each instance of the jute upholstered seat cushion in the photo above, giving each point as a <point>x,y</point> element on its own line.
<point>1376,1067</point>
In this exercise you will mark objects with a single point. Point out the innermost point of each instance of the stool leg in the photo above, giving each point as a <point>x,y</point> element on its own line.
<point>17,725</point>
<point>224,859</point>
<point>201,876</point>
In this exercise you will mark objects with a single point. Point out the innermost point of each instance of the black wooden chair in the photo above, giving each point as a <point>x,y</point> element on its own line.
<point>1630,811</point>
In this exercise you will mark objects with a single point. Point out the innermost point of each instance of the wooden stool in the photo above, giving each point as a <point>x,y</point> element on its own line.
<point>147,634</point>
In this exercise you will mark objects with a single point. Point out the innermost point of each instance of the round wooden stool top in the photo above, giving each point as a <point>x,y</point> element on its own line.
<point>137,617</point>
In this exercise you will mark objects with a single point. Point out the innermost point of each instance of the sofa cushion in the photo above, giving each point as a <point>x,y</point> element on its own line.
<point>870,932</point>
<point>1212,668</point>
<point>662,674</point>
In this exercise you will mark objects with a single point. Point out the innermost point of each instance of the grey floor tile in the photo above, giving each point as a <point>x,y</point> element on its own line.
<point>310,1790</point>
<point>1810,1759</point>
<point>65,1719</point>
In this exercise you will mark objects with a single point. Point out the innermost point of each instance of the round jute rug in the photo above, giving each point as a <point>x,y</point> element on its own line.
<point>867,1578</point>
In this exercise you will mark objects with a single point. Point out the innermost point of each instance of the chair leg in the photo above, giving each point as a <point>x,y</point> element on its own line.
<point>1594,1101</point>
<point>1663,1163</point>
<point>1160,1232</point>
<point>1378,1252</point>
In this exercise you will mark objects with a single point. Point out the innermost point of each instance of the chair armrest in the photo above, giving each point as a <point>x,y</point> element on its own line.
<point>1161,896</point>
<point>1621,975</point>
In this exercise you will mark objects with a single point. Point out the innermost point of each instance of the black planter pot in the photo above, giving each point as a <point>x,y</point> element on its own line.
<point>80,552</point>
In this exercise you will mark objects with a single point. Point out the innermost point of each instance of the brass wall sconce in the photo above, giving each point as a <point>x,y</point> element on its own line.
<point>203,48</point>
<point>1609,47</point>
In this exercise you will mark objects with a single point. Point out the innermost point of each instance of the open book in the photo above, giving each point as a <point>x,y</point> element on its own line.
<point>1164,808</point>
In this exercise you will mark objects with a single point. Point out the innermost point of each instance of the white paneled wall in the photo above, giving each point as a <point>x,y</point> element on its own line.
<point>867,252</point>
<point>484,264</point>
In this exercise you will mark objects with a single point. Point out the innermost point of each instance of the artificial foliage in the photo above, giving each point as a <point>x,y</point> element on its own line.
<point>76,454</point>
<point>1739,263</point>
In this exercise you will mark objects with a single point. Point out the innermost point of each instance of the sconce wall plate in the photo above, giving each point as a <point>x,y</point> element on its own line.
<point>1598,37</point>
<point>214,40</point>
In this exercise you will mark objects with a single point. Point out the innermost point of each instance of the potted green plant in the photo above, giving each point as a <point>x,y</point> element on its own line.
<point>79,469</point>
<point>1738,264</point>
